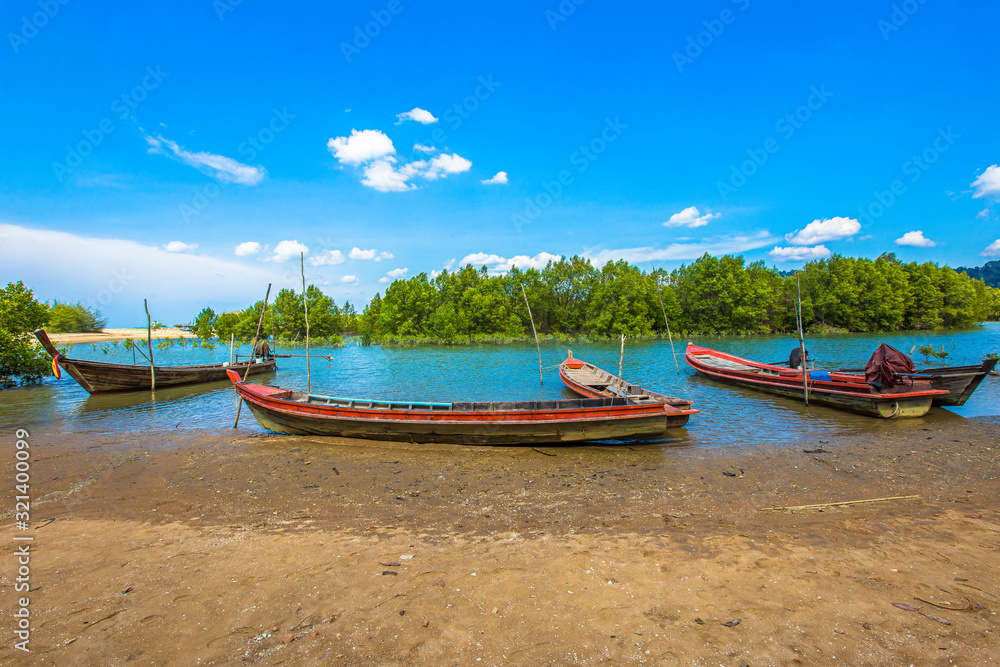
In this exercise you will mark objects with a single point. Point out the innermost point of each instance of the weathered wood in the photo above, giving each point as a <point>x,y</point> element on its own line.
<point>253,351</point>
<point>845,502</point>
<point>149,343</point>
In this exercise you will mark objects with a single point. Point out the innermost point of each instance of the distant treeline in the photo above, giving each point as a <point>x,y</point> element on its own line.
<point>989,273</point>
<point>712,295</point>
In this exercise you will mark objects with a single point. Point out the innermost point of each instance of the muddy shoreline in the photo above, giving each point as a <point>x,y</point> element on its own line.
<point>229,543</point>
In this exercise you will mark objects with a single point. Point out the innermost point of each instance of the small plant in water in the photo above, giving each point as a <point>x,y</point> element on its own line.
<point>929,352</point>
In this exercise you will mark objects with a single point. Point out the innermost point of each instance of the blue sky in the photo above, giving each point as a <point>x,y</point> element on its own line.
<point>187,152</point>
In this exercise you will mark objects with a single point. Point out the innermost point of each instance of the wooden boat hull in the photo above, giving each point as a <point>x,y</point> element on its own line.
<point>99,377</point>
<point>551,422</point>
<point>844,392</point>
<point>588,380</point>
<point>959,381</point>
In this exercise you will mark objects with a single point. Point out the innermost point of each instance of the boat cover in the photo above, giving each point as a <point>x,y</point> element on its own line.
<point>886,364</point>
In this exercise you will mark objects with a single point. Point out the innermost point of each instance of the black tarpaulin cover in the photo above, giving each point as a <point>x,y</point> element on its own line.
<point>885,364</point>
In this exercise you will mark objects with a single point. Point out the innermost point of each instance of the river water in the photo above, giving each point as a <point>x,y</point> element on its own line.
<point>729,416</point>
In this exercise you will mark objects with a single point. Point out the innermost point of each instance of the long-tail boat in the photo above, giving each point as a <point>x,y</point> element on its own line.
<point>958,381</point>
<point>910,398</point>
<point>586,379</point>
<point>564,421</point>
<point>99,376</point>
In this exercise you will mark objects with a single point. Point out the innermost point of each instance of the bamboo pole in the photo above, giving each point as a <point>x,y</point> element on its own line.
<point>305,308</point>
<point>149,345</point>
<point>239,400</point>
<point>541,381</point>
<point>846,502</point>
<point>802,344</point>
<point>669,335</point>
<point>232,341</point>
<point>621,360</point>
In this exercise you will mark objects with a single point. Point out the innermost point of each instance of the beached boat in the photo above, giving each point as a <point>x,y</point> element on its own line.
<point>910,398</point>
<point>472,423</point>
<point>958,381</point>
<point>588,380</point>
<point>99,376</point>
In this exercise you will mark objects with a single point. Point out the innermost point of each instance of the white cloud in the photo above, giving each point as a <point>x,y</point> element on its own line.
<point>422,116</point>
<point>424,149</point>
<point>799,253</point>
<point>821,231</point>
<point>497,264</point>
<point>179,246</point>
<point>361,146</point>
<point>690,217</point>
<point>499,179</point>
<point>714,245</point>
<point>327,258</point>
<point>247,248</point>
<point>219,167</point>
<point>373,254</point>
<point>445,164</point>
<point>398,273</point>
<point>115,275</point>
<point>992,250</point>
<point>349,280</point>
<point>988,182</point>
<point>382,176</point>
<point>287,250</point>
<point>915,240</point>
<point>983,215</point>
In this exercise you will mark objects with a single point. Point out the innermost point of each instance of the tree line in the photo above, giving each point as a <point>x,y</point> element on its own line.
<point>712,295</point>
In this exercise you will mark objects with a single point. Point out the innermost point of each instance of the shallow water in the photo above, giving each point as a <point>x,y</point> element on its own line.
<point>729,416</point>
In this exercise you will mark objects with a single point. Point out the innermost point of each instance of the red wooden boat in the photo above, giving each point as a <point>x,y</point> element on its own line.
<point>588,380</point>
<point>471,423</point>
<point>959,382</point>
<point>911,398</point>
<point>100,376</point>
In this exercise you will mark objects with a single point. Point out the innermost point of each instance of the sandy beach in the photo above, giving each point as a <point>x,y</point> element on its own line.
<point>109,335</point>
<point>238,547</point>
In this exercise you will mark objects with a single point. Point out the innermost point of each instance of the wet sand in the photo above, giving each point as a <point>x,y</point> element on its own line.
<point>109,335</point>
<point>237,547</point>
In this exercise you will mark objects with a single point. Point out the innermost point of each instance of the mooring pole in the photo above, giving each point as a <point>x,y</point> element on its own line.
<point>239,400</point>
<point>802,344</point>
<point>149,346</point>
<point>541,381</point>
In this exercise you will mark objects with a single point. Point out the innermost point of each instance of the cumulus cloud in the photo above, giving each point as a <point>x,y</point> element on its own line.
<point>179,246</point>
<point>422,116</point>
<point>982,215</point>
<point>992,250</point>
<point>374,153</point>
<point>498,265</point>
<point>327,258</point>
<point>821,231</point>
<point>361,146</point>
<point>247,248</point>
<point>798,253</point>
<point>714,245</point>
<point>499,179</point>
<point>372,254</point>
<point>219,167</point>
<point>349,280</point>
<point>915,240</point>
<point>398,273</point>
<point>382,176</point>
<point>287,250</point>
<point>988,182</point>
<point>690,217</point>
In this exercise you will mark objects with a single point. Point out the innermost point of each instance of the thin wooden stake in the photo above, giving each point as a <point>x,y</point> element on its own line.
<point>305,307</point>
<point>621,360</point>
<point>149,345</point>
<point>541,381</point>
<point>239,399</point>
<point>846,502</point>
<point>802,344</point>
<point>669,335</point>
<point>232,341</point>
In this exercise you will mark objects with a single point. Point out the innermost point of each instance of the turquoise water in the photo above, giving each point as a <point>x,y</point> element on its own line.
<point>728,416</point>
